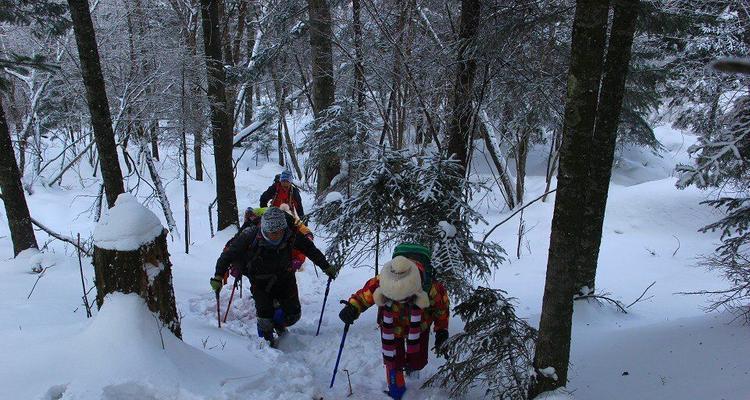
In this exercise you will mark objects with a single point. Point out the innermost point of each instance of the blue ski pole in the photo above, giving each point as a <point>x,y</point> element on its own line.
<point>341,349</point>
<point>325,298</point>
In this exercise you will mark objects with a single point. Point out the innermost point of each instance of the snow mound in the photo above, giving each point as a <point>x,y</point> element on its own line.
<point>125,341</point>
<point>128,226</point>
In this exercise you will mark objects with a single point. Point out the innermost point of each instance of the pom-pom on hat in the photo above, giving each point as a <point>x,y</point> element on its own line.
<point>399,280</point>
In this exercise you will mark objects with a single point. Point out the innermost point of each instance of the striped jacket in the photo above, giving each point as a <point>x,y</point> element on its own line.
<point>437,312</point>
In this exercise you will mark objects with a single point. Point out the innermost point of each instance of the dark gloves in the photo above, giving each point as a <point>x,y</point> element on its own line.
<point>331,271</point>
<point>217,282</point>
<point>440,337</point>
<point>349,314</point>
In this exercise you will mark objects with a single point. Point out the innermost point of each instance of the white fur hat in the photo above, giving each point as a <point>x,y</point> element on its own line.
<point>399,280</point>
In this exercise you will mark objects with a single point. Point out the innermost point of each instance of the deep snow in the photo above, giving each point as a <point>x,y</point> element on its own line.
<point>665,348</point>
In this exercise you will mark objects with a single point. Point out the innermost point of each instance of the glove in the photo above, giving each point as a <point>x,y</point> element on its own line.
<point>310,236</point>
<point>234,271</point>
<point>349,313</point>
<point>217,282</point>
<point>440,337</point>
<point>296,264</point>
<point>331,271</point>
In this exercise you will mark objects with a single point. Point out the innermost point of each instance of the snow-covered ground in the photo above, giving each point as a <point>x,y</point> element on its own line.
<point>664,348</point>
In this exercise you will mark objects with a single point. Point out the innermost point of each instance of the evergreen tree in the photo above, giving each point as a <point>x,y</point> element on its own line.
<point>495,348</point>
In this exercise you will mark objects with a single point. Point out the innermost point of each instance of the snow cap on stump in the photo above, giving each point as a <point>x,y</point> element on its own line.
<point>128,226</point>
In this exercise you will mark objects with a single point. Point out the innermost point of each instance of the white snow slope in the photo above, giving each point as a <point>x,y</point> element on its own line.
<point>664,348</point>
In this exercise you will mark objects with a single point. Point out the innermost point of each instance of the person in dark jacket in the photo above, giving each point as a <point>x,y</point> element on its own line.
<point>283,192</point>
<point>265,255</point>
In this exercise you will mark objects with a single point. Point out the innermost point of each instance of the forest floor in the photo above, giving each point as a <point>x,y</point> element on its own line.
<point>666,347</point>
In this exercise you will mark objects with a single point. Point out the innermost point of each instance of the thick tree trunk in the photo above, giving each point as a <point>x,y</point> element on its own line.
<point>322,77</point>
<point>221,127</point>
<point>460,126</point>
<point>568,221</point>
<point>16,209</point>
<point>605,136</point>
<point>96,96</point>
<point>145,271</point>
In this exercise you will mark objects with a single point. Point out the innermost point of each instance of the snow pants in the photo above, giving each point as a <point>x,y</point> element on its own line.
<point>282,288</point>
<point>415,361</point>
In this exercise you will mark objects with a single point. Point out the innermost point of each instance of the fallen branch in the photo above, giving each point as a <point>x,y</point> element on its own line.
<point>55,234</point>
<point>514,213</point>
<point>71,163</point>
<point>603,297</point>
<point>41,274</point>
<point>678,245</point>
<point>59,236</point>
<point>642,294</point>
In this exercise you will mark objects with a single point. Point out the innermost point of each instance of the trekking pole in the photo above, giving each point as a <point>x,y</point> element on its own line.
<point>325,298</point>
<point>341,349</point>
<point>218,308</point>
<point>231,296</point>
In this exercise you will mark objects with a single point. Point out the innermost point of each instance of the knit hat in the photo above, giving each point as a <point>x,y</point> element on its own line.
<point>285,176</point>
<point>399,280</point>
<point>273,220</point>
<point>414,251</point>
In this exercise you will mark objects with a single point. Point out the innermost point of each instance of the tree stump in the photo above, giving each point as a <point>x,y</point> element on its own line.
<point>131,256</point>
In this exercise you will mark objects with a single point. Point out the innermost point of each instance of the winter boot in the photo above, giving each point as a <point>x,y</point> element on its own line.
<point>396,383</point>
<point>279,324</point>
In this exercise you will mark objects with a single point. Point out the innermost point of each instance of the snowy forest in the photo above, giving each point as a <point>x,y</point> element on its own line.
<point>543,199</point>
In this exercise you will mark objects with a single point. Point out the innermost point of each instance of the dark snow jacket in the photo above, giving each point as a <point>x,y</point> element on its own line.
<point>262,260</point>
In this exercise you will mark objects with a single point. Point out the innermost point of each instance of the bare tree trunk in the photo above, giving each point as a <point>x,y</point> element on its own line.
<point>568,221</point>
<point>16,209</point>
<point>459,127</point>
<point>605,137</point>
<point>220,118</point>
<point>359,70</point>
<point>522,153</point>
<point>96,97</point>
<point>322,77</point>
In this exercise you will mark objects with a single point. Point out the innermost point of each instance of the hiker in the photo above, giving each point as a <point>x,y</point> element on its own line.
<point>252,217</point>
<point>282,191</point>
<point>409,301</point>
<point>264,253</point>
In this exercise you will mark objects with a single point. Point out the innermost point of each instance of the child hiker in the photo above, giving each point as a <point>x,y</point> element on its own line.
<point>409,301</point>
